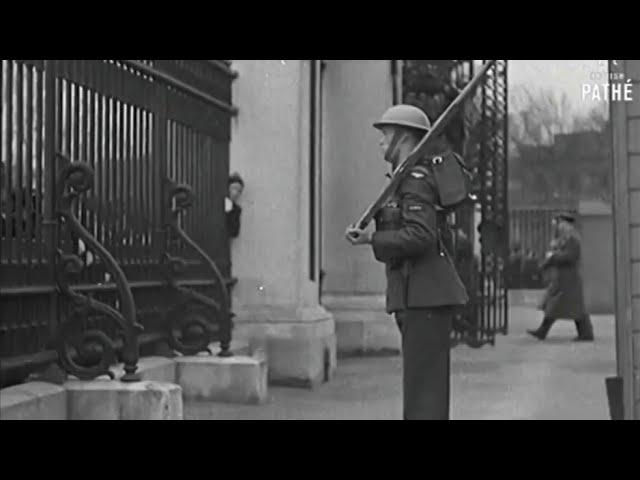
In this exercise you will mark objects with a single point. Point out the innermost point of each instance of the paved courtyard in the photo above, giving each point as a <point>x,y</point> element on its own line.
<point>520,378</point>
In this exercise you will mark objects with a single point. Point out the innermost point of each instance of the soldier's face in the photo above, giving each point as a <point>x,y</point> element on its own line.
<point>388,133</point>
<point>385,140</point>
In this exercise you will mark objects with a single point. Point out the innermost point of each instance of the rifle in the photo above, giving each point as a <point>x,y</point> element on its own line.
<point>420,149</point>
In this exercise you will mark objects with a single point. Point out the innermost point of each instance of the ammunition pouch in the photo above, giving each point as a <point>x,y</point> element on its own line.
<point>389,218</point>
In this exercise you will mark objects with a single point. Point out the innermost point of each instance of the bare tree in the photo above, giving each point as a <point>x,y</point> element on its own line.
<point>596,119</point>
<point>538,115</point>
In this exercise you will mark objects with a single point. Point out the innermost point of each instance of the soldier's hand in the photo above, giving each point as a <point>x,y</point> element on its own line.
<point>357,236</point>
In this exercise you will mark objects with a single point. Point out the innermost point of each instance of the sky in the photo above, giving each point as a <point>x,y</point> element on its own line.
<point>563,75</point>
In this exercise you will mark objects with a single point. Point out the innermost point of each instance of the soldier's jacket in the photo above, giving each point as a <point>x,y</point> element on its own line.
<point>420,272</point>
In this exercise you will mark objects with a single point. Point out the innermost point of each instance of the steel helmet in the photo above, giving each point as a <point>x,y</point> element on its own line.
<point>404,116</point>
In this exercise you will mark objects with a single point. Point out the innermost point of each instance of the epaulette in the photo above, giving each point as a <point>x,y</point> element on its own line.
<point>421,171</point>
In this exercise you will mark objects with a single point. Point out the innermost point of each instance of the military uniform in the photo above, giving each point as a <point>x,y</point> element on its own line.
<point>423,291</point>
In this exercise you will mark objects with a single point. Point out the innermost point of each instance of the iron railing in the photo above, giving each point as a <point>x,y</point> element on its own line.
<point>77,257</point>
<point>531,228</point>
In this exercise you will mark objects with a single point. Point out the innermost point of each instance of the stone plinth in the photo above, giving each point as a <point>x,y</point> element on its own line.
<point>33,401</point>
<point>237,379</point>
<point>299,344</point>
<point>114,400</point>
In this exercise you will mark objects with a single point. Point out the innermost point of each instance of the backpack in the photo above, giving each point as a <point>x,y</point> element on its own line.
<point>453,179</point>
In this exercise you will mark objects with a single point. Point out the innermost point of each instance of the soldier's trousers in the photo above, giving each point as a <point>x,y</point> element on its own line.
<point>425,362</point>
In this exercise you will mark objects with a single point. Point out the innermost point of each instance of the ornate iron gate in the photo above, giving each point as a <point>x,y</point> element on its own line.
<point>101,161</point>
<point>481,234</point>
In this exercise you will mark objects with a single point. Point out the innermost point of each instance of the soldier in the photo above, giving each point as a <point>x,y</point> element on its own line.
<point>423,287</point>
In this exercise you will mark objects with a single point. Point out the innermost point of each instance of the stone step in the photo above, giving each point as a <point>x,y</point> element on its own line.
<point>241,378</point>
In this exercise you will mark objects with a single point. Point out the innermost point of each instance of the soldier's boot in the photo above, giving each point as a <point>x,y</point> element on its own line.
<point>543,330</point>
<point>585,330</point>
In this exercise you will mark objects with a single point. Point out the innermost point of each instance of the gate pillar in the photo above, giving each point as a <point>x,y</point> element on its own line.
<point>276,299</point>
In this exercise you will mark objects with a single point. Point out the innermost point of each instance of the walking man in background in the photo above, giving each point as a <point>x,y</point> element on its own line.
<point>564,298</point>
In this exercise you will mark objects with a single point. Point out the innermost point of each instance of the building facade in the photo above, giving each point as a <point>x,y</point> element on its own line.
<point>625,118</point>
<point>304,143</point>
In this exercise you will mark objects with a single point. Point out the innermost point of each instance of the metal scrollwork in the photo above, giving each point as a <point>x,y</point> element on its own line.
<point>89,354</point>
<point>192,323</point>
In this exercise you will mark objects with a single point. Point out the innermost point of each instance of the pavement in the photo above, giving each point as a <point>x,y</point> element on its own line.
<point>520,378</point>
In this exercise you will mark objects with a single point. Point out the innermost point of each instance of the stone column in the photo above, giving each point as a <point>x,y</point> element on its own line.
<point>276,302</point>
<point>356,93</point>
